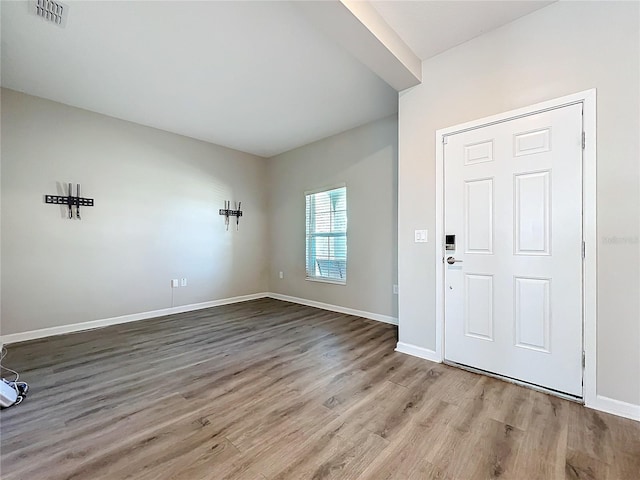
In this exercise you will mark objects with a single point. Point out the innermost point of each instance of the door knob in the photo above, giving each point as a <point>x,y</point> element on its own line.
<point>452,260</point>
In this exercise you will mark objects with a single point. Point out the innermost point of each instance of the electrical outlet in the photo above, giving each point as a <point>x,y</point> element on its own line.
<point>174,283</point>
<point>395,289</point>
<point>281,275</point>
<point>183,282</point>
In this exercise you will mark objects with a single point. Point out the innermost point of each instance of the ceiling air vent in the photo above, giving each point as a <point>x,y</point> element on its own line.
<point>54,12</point>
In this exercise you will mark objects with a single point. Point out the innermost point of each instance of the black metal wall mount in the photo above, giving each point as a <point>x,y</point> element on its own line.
<point>227,212</point>
<point>70,200</point>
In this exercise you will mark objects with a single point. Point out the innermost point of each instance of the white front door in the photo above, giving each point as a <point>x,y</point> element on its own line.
<point>513,201</point>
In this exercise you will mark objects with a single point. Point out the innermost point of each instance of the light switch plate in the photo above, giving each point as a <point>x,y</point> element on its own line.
<point>421,236</point>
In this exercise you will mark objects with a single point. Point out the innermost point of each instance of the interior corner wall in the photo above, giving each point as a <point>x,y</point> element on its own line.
<point>155,218</point>
<point>365,158</point>
<point>561,49</point>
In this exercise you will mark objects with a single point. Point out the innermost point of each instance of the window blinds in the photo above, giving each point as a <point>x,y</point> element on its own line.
<point>326,235</point>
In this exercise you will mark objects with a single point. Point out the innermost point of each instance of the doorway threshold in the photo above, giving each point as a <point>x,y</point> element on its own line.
<point>515,381</point>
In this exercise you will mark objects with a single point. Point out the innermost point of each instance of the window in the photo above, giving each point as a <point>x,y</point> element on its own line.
<point>327,235</point>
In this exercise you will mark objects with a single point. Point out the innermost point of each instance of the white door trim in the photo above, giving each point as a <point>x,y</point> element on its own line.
<point>588,100</point>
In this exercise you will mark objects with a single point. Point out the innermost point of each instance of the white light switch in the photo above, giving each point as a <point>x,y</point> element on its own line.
<point>183,282</point>
<point>421,236</point>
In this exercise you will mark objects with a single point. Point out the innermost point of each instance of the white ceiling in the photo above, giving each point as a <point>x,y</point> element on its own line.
<point>253,76</point>
<point>431,27</point>
<point>258,77</point>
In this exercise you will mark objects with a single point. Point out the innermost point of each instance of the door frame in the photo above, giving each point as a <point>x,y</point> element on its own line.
<point>589,270</point>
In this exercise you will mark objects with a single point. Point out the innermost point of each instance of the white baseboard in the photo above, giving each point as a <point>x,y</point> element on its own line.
<point>615,407</point>
<point>105,322</point>
<point>418,352</point>
<point>335,308</point>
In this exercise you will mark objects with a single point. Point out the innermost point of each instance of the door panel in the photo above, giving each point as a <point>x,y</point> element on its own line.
<point>532,213</point>
<point>532,314</point>
<point>479,216</point>
<point>478,308</point>
<point>513,198</point>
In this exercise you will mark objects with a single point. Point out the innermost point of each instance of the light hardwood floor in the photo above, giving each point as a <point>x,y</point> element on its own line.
<point>273,390</point>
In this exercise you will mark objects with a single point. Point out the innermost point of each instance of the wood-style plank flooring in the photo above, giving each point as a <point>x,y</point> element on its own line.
<point>273,390</point>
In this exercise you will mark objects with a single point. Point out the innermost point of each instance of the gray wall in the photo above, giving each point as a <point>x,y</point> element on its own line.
<point>365,158</point>
<point>156,217</point>
<point>562,49</point>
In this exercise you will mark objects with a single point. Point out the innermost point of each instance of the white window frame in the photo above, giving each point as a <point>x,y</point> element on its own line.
<point>334,281</point>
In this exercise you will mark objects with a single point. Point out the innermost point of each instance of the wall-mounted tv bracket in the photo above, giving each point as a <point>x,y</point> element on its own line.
<point>70,200</point>
<point>227,212</point>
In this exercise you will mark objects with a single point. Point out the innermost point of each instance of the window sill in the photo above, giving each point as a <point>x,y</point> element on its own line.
<point>326,280</point>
